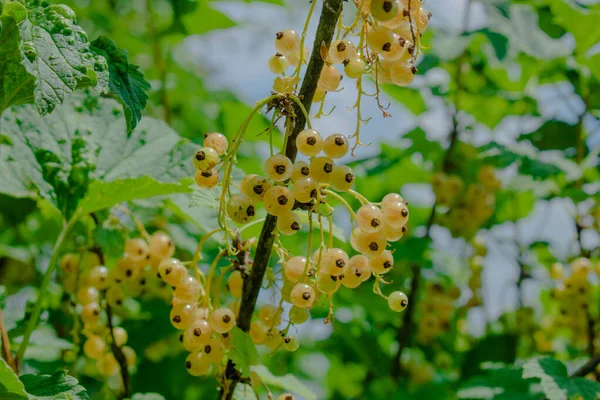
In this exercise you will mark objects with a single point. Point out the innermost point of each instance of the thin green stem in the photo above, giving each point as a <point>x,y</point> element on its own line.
<point>37,310</point>
<point>344,203</point>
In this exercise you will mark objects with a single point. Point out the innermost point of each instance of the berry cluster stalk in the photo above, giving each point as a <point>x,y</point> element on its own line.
<point>252,283</point>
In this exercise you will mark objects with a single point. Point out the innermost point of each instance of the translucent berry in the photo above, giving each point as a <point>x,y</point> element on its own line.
<point>288,223</point>
<point>369,218</point>
<point>287,41</point>
<point>217,141</point>
<point>305,189</point>
<point>327,283</point>
<point>352,278</point>
<point>393,234</point>
<point>278,200</point>
<point>395,50</point>
<point>197,334</point>
<point>354,67</point>
<point>279,168</point>
<point>330,78</point>
<point>115,296</point>
<point>130,356</point>
<point>235,282</point>
<point>278,63</point>
<point>423,19</point>
<point>94,347</point>
<point>395,214</point>
<point>222,320</point>
<point>269,315</point>
<point>206,179</point>
<point>334,262</point>
<point>371,243</point>
<point>384,10</point>
<point>182,315</point>
<point>98,277</point>
<point>381,72</point>
<point>286,396</point>
<point>294,268</point>
<point>300,170</point>
<point>107,365</point>
<point>341,50</point>
<point>255,187</point>
<point>214,350</point>
<point>380,38</point>
<point>402,74</point>
<point>172,271</point>
<point>321,169</point>
<point>90,313</point>
<point>299,316</point>
<point>336,146</point>
<point>197,363</point>
<point>397,301</point>
<point>342,178</point>
<point>382,263</point>
<point>309,142</point>
<point>297,58</point>
<point>87,295</point>
<point>161,246</point>
<point>302,295</point>
<point>137,248</point>
<point>390,199</point>
<point>319,95</point>
<point>120,335</point>
<point>258,332</point>
<point>291,343</point>
<point>206,158</point>
<point>69,263</point>
<point>188,290</point>
<point>240,208</point>
<point>359,264</point>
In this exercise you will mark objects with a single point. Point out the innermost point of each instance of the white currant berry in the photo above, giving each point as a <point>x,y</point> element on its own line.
<point>206,179</point>
<point>423,19</point>
<point>120,336</point>
<point>278,63</point>
<point>384,10</point>
<point>305,189</point>
<point>98,277</point>
<point>380,38</point>
<point>279,168</point>
<point>161,246</point>
<point>87,295</point>
<point>352,278</point>
<point>197,334</point>
<point>214,350</point>
<point>330,78</point>
<point>293,269</point>
<point>240,208</point>
<point>291,343</point>
<point>286,396</point>
<point>288,223</point>
<point>395,214</point>
<point>391,198</point>
<point>182,315</point>
<point>309,142</point>
<point>255,187</point>
<point>369,218</point>
<point>328,284</point>
<point>334,262</point>
<point>354,67</point>
<point>130,356</point>
<point>395,51</point>
<point>187,290</point>
<point>335,146</point>
<point>360,266</point>
<point>69,263</point>
<point>136,248</point>
<point>382,263</point>
<point>172,271</point>
<point>319,95</point>
<point>206,158</point>
<point>107,365</point>
<point>402,74</point>
<point>269,315</point>
<point>258,332</point>
<point>298,315</point>
<point>115,296</point>
<point>342,178</point>
<point>341,50</point>
<point>300,170</point>
<point>278,200</point>
<point>287,41</point>
<point>235,283</point>
<point>222,320</point>
<point>296,58</point>
<point>397,301</point>
<point>371,243</point>
<point>393,234</point>
<point>217,141</point>
<point>197,364</point>
<point>381,72</point>
<point>302,295</point>
<point>94,347</point>
<point>321,168</point>
<point>90,313</point>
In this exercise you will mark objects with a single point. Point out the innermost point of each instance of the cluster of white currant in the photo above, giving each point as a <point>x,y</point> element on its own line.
<point>391,30</point>
<point>437,309</point>
<point>205,159</point>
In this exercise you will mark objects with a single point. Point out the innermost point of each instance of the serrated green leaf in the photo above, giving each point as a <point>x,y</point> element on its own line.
<point>56,386</point>
<point>10,385</point>
<point>555,380</point>
<point>205,198</point>
<point>286,382</point>
<point>243,352</point>
<point>47,57</point>
<point>126,82</point>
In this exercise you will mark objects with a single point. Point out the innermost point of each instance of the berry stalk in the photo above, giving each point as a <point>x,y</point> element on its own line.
<point>327,23</point>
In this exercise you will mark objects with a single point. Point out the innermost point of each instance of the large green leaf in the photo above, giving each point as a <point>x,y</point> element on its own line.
<point>556,383</point>
<point>286,382</point>
<point>497,384</point>
<point>126,82</point>
<point>494,348</point>
<point>10,386</point>
<point>243,352</point>
<point>512,206</point>
<point>205,18</point>
<point>53,387</point>
<point>581,22</point>
<point>46,56</point>
<point>82,146</point>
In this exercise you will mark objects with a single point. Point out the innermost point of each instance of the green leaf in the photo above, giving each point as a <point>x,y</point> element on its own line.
<point>409,98</point>
<point>47,57</point>
<point>147,396</point>
<point>529,162</point>
<point>287,382</point>
<point>9,383</point>
<point>579,21</point>
<point>553,135</point>
<point>56,386</point>
<point>243,392</point>
<point>494,348</point>
<point>243,353</point>
<point>205,19</point>
<point>512,206</point>
<point>84,146</point>
<point>497,384</point>
<point>126,82</point>
<point>498,41</point>
<point>555,380</point>
<point>205,198</point>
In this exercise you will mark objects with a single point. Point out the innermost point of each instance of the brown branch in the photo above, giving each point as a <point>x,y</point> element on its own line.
<point>328,20</point>
<point>6,351</point>
<point>588,367</point>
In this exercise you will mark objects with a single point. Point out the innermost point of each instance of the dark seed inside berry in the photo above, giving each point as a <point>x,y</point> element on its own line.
<point>375,222</point>
<point>373,246</point>
<point>258,189</point>
<point>328,167</point>
<point>280,169</point>
<point>200,156</point>
<point>402,42</point>
<point>349,178</point>
<point>181,337</point>
<point>387,47</point>
<point>404,212</point>
<point>287,339</point>
<point>129,273</point>
<point>168,270</point>
<point>226,318</point>
<point>295,226</point>
<point>225,335</point>
<point>340,263</point>
<point>207,349</point>
<point>177,319</point>
<point>387,6</point>
<point>358,273</point>
<point>341,46</point>
<point>119,302</point>
<point>197,332</point>
<point>206,174</point>
<point>311,140</point>
<point>339,141</point>
<point>404,229</point>
<point>250,211</point>
<point>142,281</point>
<point>306,295</point>
<point>282,200</point>
<point>304,171</point>
<point>334,278</point>
<point>96,312</point>
<point>387,265</point>
<point>289,398</point>
<point>188,364</point>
